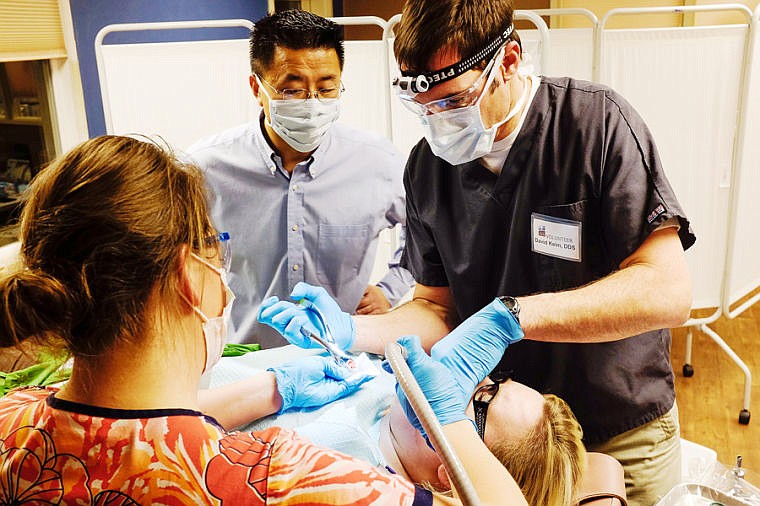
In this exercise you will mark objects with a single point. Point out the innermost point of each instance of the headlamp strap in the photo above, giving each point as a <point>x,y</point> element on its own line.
<point>420,83</point>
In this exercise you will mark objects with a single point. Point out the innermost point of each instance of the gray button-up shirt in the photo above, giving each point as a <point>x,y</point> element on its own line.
<point>319,224</point>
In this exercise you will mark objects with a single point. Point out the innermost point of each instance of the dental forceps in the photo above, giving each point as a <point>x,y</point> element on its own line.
<point>328,341</point>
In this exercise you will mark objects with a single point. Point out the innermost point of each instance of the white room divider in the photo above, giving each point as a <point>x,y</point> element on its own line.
<point>182,91</point>
<point>687,83</point>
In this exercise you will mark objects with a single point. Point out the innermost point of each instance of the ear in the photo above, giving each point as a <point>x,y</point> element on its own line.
<point>256,89</point>
<point>512,55</point>
<point>185,284</point>
<point>443,477</point>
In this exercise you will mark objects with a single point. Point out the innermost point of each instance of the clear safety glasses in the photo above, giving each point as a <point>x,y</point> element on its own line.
<point>482,398</point>
<point>304,94</point>
<point>457,101</point>
<point>221,242</point>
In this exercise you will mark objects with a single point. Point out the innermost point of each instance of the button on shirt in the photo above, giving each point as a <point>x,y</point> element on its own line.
<point>319,224</point>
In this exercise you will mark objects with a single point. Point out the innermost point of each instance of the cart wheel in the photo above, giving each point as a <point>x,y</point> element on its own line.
<point>688,370</point>
<point>744,417</point>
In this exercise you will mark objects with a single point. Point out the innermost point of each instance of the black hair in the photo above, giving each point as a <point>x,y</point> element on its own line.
<point>293,29</point>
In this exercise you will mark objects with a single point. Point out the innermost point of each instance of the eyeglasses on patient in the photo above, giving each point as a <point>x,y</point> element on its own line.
<point>482,398</point>
<point>304,94</point>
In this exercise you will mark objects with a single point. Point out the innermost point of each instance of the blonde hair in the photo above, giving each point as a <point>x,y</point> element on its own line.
<point>101,230</point>
<point>548,462</point>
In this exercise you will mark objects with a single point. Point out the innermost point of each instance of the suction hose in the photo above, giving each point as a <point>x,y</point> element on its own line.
<point>396,356</point>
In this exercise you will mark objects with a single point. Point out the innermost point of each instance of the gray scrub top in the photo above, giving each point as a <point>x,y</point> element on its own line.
<point>580,190</point>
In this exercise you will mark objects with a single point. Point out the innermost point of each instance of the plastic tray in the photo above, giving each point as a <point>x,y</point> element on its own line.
<point>693,494</point>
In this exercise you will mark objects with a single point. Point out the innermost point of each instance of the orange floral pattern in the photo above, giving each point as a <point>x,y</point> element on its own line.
<point>57,456</point>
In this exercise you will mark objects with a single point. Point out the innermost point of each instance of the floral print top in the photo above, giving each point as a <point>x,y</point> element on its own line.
<point>59,452</point>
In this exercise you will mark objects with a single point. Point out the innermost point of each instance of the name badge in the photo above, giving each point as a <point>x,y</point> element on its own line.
<point>556,237</point>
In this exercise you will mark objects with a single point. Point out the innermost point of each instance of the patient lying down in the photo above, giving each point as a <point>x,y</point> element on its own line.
<point>535,436</point>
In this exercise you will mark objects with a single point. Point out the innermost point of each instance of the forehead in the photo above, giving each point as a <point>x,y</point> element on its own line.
<point>303,64</point>
<point>514,410</point>
<point>441,59</point>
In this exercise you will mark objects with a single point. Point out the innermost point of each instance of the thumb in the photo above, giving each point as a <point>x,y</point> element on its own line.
<point>413,346</point>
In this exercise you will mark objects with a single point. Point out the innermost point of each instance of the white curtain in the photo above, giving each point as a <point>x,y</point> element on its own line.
<point>182,91</point>
<point>685,84</point>
<point>745,268</point>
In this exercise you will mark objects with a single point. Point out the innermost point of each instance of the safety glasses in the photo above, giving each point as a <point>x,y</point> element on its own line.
<point>458,100</point>
<point>482,398</point>
<point>221,242</point>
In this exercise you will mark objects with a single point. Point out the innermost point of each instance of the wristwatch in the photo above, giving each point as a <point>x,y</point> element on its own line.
<point>512,305</point>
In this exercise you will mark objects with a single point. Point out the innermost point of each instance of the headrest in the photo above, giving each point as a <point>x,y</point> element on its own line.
<point>603,483</point>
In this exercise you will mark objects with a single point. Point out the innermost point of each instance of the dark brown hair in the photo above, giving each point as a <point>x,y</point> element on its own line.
<point>101,230</point>
<point>463,26</point>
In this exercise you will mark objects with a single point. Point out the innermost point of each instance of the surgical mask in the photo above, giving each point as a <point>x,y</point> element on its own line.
<point>215,329</point>
<point>459,136</point>
<point>302,123</point>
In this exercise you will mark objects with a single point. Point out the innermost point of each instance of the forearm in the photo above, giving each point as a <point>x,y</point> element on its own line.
<point>242,402</point>
<point>491,480</point>
<point>628,302</point>
<point>418,317</point>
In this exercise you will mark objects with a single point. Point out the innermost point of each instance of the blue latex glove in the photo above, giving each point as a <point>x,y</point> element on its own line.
<point>288,318</point>
<point>436,383</point>
<point>474,348</point>
<point>314,381</point>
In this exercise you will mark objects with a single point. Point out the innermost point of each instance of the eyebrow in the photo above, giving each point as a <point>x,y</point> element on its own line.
<point>296,78</point>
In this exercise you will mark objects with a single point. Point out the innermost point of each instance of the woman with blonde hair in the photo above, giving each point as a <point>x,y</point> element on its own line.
<point>123,270</point>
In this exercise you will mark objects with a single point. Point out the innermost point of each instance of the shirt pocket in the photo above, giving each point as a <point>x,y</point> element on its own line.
<point>340,251</point>
<point>560,274</point>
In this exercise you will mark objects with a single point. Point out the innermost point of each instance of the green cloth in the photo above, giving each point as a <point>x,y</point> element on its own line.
<point>237,350</point>
<point>51,369</point>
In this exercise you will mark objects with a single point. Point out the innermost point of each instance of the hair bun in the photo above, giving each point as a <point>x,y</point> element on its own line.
<point>34,305</point>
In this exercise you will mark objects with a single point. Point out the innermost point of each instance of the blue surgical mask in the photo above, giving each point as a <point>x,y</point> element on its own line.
<point>459,136</point>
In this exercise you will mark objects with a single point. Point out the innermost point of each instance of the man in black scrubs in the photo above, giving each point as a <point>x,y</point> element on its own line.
<point>540,200</point>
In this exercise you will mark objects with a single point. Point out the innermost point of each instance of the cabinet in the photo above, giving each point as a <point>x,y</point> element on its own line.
<point>25,130</point>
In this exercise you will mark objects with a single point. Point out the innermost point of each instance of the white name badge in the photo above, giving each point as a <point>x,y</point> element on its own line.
<point>556,237</point>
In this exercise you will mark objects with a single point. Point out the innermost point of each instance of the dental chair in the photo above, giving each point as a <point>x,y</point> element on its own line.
<point>603,483</point>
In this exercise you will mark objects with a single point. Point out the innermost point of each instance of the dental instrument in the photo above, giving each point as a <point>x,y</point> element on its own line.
<point>396,356</point>
<point>328,341</point>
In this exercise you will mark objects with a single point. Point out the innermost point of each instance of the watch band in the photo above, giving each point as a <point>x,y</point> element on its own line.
<point>512,305</point>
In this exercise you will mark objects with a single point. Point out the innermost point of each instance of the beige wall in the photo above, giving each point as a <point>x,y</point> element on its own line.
<point>601,7</point>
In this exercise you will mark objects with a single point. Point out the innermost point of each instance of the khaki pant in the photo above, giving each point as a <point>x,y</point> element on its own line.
<point>651,458</point>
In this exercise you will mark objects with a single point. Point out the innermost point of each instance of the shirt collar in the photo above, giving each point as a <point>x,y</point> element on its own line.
<point>272,160</point>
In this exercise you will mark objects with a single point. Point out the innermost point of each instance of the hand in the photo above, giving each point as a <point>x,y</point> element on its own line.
<point>314,381</point>
<point>474,348</point>
<point>436,383</point>
<point>373,301</point>
<point>288,318</point>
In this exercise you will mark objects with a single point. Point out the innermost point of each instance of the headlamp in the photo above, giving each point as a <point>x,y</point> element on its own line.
<point>411,84</point>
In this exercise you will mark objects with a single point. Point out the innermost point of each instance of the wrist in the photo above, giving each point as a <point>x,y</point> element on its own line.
<point>512,305</point>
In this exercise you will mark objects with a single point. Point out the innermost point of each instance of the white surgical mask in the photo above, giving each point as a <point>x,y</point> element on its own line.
<point>302,123</point>
<point>215,329</point>
<point>459,136</point>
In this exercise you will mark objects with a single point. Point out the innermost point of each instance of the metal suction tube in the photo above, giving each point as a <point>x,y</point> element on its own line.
<point>396,356</point>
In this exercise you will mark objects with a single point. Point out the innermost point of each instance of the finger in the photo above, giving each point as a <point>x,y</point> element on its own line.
<point>268,302</point>
<point>292,332</point>
<point>267,313</point>
<point>306,291</point>
<point>364,310</point>
<point>285,316</point>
